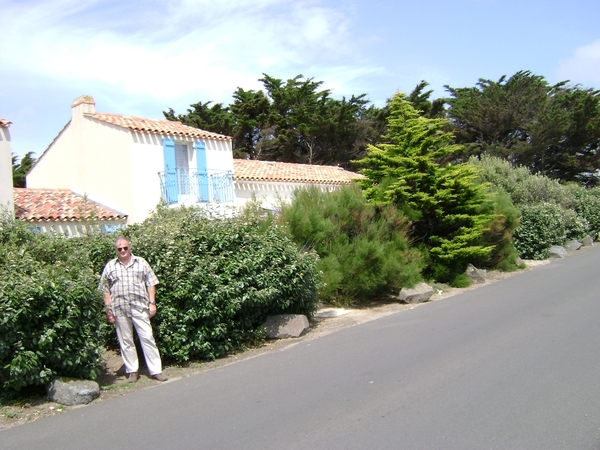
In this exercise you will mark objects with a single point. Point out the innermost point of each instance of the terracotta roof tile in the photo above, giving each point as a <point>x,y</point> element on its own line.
<point>4,123</point>
<point>61,205</point>
<point>155,126</point>
<point>252,170</point>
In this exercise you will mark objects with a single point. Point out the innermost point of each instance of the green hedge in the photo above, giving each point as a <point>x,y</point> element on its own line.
<point>551,212</point>
<point>220,278</point>
<point>50,309</point>
<point>588,207</point>
<point>541,227</point>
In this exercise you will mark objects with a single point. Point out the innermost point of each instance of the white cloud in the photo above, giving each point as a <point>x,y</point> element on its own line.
<point>169,51</point>
<point>584,66</point>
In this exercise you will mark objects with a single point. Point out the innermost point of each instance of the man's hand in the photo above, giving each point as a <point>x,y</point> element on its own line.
<point>110,316</point>
<point>152,308</point>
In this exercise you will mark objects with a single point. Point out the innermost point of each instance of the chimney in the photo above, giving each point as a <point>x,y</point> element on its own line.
<point>84,104</point>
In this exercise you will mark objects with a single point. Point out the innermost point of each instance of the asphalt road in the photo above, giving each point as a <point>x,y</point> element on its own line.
<point>511,365</point>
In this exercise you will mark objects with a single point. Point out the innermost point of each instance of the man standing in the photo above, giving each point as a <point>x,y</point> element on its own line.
<point>129,289</point>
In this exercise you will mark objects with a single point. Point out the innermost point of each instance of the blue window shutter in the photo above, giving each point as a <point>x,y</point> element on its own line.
<point>169,154</point>
<point>203,178</point>
<point>170,180</point>
<point>201,156</point>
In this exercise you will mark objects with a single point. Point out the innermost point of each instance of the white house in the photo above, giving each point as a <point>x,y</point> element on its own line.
<point>129,164</point>
<point>62,211</point>
<point>6,180</point>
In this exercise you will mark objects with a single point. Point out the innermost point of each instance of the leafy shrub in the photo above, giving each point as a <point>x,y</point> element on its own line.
<point>588,206</point>
<point>541,226</point>
<point>50,309</point>
<point>576,207</point>
<point>576,227</point>
<point>220,279</point>
<point>363,250</point>
<point>523,187</point>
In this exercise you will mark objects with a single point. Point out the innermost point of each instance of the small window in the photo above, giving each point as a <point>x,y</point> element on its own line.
<point>112,228</point>
<point>183,168</point>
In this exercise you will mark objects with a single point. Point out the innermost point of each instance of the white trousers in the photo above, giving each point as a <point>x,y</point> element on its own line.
<point>141,321</point>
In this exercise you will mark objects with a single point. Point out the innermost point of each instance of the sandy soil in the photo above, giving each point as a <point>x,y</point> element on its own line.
<point>113,381</point>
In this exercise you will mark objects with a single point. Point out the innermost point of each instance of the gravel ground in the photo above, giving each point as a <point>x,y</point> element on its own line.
<point>113,381</point>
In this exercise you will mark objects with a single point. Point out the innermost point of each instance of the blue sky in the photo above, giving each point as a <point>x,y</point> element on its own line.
<point>142,57</point>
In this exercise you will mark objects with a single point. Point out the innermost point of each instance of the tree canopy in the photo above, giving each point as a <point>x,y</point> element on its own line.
<point>292,121</point>
<point>20,168</point>
<point>553,130</point>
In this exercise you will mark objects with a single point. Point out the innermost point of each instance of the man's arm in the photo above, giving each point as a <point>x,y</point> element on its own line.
<point>110,316</point>
<point>152,298</point>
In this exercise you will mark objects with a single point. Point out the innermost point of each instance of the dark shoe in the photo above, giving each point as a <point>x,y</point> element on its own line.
<point>133,377</point>
<point>160,377</point>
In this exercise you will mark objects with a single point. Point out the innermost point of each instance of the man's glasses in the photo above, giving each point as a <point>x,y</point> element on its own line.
<point>122,248</point>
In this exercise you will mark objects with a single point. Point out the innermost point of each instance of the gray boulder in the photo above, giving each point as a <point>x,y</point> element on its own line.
<point>422,292</point>
<point>284,326</point>
<point>587,241</point>
<point>557,251</point>
<point>72,391</point>
<point>476,275</point>
<point>573,245</point>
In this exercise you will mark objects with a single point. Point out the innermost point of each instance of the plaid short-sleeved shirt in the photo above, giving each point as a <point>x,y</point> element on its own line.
<point>128,285</point>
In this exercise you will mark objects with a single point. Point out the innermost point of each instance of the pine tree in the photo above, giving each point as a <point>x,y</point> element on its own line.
<point>451,214</point>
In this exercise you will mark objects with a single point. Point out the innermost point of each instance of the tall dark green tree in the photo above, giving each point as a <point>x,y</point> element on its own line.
<point>299,113</point>
<point>292,121</point>
<point>553,130</point>
<point>216,118</point>
<point>420,99</point>
<point>312,127</point>
<point>253,132</point>
<point>20,168</point>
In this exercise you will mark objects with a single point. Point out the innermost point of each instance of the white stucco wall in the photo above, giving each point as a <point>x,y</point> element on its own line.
<point>6,180</point>
<point>270,194</point>
<point>90,158</point>
<point>219,155</point>
<point>105,167</point>
<point>147,161</point>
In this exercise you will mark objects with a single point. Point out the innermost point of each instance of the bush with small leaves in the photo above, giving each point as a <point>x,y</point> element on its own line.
<point>50,309</point>
<point>588,206</point>
<point>541,226</point>
<point>523,187</point>
<point>220,278</point>
<point>576,227</point>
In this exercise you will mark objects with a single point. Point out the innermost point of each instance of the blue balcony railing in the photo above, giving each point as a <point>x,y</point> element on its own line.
<point>183,186</point>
